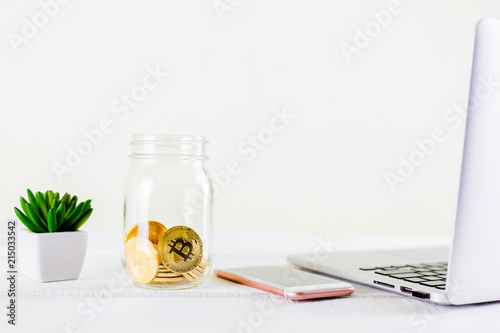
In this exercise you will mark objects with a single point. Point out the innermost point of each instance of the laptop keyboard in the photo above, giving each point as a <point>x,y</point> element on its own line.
<point>430,275</point>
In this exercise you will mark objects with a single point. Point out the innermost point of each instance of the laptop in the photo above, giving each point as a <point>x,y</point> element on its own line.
<point>469,271</point>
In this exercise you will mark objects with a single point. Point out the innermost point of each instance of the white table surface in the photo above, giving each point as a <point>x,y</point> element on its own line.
<point>99,301</point>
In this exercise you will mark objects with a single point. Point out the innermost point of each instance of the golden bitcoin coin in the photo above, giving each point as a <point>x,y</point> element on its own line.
<point>162,268</point>
<point>168,279</point>
<point>154,232</point>
<point>141,259</point>
<point>180,249</point>
<point>167,275</point>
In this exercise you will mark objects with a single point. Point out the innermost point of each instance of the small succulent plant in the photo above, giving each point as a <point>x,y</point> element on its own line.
<point>49,213</point>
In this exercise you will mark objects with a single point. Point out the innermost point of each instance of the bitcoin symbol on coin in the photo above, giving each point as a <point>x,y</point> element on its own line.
<point>178,248</point>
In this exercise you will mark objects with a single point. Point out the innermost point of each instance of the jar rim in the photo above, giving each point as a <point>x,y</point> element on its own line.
<point>166,138</point>
<point>163,147</point>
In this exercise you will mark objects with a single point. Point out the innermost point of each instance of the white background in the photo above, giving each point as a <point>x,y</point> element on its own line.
<point>228,72</point>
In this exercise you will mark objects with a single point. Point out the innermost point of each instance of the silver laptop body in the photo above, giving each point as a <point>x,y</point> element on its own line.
<point>469,272</point>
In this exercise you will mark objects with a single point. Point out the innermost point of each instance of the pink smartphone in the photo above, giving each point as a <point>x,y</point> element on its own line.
<point>288,282</point>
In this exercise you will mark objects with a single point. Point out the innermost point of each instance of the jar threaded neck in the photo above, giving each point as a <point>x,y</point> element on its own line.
<point>168,146</point>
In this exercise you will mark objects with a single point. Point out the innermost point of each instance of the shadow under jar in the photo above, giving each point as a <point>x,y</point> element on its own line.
<point>168,212</point>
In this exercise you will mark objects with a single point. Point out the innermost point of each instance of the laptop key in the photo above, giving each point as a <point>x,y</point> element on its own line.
<point>415,280</point>
<point>382,272</point>
<point>440,272</point>
<point>432,278</point>
<point>404,271</point>
<point>404,276</point>
<point>433,283</point>
<point>368,268</point>
<point>419,266</point>
<point>397,271</point>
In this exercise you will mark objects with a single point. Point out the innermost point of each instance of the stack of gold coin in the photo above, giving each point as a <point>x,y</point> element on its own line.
<point>198,272</point>
<point>166,275</point>
<point>165,256</point>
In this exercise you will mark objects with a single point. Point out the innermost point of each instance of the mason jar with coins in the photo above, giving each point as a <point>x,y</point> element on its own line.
<point>168,212</point>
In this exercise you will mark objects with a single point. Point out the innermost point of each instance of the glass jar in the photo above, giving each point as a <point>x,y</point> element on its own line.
<point>168,212</point>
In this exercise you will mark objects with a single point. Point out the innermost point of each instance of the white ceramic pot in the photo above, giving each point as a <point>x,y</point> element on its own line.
<point>53,256</point>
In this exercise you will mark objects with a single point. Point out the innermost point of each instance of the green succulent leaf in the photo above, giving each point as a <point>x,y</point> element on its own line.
<point>56,196</point>
<point>66,198</point>
<point>49,196</point>
<point>60,212</point>
<point>31,198</point>
<point>27,222</point>
<point>36,218</point>
<point>86,205</point>
<point>24,203</point>
<point>52,220</point>
<point>82,220</point>
<point>41,204</point>
<point>53,205</point>
<point>77,212</point>
<point>70,208</point>
<point>74,200</point>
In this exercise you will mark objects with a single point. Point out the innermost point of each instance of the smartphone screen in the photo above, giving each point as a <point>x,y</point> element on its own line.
<point>288,282</point>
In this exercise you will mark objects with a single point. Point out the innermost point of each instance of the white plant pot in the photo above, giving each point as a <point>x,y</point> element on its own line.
<point>54,256</point>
